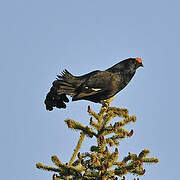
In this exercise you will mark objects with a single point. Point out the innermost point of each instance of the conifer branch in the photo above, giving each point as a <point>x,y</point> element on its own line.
<point>78,126</point>
<point>76,150</point>
<point>101,163</point>
<point>47,168</point>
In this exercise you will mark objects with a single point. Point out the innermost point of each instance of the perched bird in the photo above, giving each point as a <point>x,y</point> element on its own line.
<point>94,86</point>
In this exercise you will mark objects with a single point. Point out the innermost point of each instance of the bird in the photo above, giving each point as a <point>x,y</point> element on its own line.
<point>96,86</point>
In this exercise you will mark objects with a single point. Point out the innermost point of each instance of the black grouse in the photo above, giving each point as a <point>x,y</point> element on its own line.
<point>94,86</point>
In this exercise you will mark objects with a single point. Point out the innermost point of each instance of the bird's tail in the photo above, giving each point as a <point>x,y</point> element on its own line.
<point>64,85</point>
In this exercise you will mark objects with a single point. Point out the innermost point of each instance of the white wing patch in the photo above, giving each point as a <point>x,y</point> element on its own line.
<point>94,89</point>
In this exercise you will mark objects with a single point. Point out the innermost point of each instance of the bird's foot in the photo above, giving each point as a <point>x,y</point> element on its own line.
<point>107,101</point>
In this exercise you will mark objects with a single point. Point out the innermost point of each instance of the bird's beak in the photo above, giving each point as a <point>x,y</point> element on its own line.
<point>141,64</point>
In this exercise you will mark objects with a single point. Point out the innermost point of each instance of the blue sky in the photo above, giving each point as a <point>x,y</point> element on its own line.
<point>38,39</point>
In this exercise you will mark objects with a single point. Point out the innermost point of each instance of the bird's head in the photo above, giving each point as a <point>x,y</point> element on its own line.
<point>127,65</point>
<point>135,63</point>
<point>138,62</point>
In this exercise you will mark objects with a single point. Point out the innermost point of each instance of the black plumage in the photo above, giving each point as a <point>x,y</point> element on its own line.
<point>94,86</point>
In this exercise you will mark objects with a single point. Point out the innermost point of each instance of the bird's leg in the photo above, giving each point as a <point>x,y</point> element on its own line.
<point>107,101</point>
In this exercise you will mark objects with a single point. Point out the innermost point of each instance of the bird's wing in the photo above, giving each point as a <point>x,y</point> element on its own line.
<point>100,82</point>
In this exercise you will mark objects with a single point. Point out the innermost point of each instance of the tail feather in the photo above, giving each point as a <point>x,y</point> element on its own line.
<point>64,85</point>
<point>66,76</point>
<point>53,100</point>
